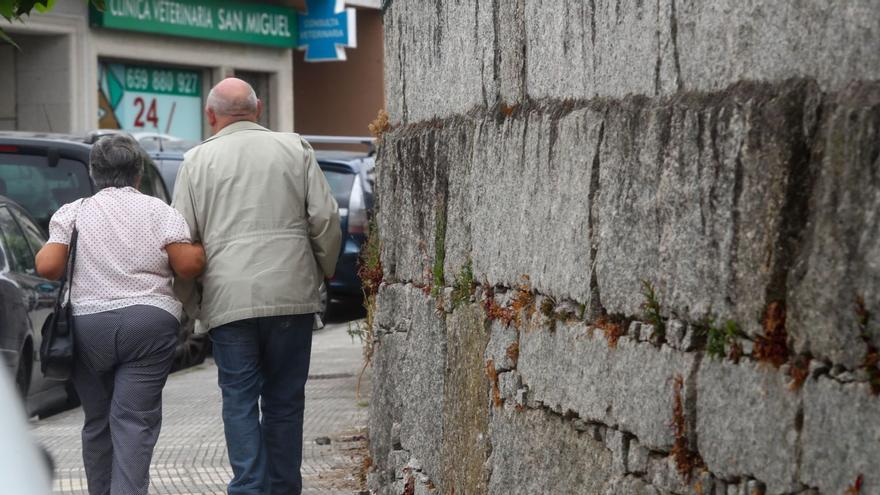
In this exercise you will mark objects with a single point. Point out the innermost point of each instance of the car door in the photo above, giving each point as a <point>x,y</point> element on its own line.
<point>23,239</point>
<point>14,321</point>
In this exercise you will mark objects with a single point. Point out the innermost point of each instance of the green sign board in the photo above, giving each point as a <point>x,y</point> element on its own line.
<point>150,99</point>
<point>219,20</point>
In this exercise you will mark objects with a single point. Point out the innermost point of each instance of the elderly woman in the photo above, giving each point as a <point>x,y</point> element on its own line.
<point>126,317</point>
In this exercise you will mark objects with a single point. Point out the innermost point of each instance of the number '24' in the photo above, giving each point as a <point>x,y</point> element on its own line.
<point>151,117</point>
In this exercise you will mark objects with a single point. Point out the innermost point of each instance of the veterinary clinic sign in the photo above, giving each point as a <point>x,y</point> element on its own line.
<point>219,20</point>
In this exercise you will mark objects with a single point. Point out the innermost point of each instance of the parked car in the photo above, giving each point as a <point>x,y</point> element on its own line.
<point>166,152</point>
<point>41,172</point>
<point>25,468</point>
<point>351,178</point>
<point>27,301</point>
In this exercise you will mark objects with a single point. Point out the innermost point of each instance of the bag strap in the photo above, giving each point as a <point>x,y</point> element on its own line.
<point>71,260</point>
<point>67,277</point>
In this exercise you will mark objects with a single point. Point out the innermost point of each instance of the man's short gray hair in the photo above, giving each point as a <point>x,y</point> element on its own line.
<point>232,107</point>
<point>116,161</point>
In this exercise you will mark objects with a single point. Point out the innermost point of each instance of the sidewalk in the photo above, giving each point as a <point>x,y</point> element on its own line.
<point>190,456</point>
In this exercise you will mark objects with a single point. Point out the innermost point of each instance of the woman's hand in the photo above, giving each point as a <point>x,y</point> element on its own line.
<point>187,260</point>
<point>51,261</point>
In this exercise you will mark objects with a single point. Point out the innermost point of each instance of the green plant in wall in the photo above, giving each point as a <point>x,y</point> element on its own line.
<point>463,286</point>
<point>439,251</point>
<point>651,307</point>
<point>721,337</point>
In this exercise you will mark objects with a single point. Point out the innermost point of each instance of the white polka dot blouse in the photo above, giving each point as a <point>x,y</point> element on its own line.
<point>120,259</point>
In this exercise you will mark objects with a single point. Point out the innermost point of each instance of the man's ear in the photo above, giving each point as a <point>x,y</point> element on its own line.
<point>259,109</point>
<point>212,117</point>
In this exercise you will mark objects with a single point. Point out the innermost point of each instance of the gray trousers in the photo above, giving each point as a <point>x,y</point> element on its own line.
<point>123,358</point>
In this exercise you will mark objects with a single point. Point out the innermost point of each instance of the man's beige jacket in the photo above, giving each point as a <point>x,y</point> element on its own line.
<point>262,208</point>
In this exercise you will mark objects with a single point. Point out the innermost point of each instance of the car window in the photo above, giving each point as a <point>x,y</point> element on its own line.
<point>340,185</point>
<point>169,169</point>
<point>34,235</point>
<point>20,255</point>
<point>151,184</point>
<point>40,189</point>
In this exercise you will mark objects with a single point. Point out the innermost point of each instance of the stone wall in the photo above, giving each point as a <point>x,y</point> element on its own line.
<point>671,211</point>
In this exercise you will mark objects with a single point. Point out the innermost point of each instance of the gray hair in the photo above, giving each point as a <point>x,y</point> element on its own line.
<point>232,107</point>
<point>116,161</point>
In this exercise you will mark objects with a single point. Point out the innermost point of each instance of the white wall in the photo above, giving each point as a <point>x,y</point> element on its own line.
<point>42,81</point>
<point>7,88</point>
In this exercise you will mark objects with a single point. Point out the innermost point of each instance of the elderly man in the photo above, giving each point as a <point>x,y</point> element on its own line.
<point>262,208</point>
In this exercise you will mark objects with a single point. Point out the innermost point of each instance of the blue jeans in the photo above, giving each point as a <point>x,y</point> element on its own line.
<point>266,360</point>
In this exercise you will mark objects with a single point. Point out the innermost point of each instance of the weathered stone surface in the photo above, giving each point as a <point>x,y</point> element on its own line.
<point>747,422</point>
<point>629,386</point>
<point>663,474</point>
<point>439,58</point>
<point>389,353</point>
<point>502,340</point>
<point>411,359</point>
<point>675,333</point>
<point>722,42</point>
<point>421,395</point>
<point>841,436</point>
<point>443,60</point>
<point>392,307</point>
<point>413,189</point>
<point>629,485</point>
<point>618,443</point>
<point>692,196</point>
<point>637,458</point>
<point>531,210</point>
<point>466,404</point>
<point>602,45</point>
<point>537,452</point>
<point>840,261</point>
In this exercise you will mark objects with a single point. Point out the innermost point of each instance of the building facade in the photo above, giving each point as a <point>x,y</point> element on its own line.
<point>148,66</point>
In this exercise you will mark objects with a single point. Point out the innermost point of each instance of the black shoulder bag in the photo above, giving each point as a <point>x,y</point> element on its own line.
<point>57,349</point>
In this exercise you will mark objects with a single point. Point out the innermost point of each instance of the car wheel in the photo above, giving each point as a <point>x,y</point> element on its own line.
<point>325,300</point>
<point>23,373</point>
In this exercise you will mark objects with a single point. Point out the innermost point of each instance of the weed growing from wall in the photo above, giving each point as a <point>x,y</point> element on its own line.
<point>523,305</point>
<point>721,338</point>
<point>613,330</point>
<point>371,275</point>
<point>380,125</point>
<point>439,251</point>
<point>493,310</point>
<point>463,286</point>
<point>685,459</point>
<point>651,307</point>
<point>772,347</point>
